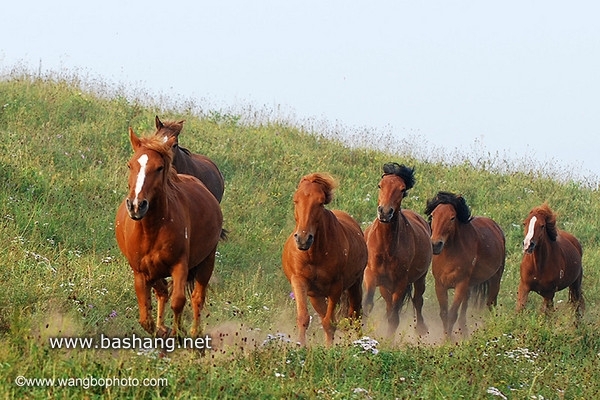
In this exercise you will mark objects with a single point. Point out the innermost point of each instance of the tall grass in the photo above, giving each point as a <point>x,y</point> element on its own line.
<point>64,147</point>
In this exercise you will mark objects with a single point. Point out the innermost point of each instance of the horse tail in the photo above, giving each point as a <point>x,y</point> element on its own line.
<point>479,294</point>
<point>189,287</point>
<point>224,233</point>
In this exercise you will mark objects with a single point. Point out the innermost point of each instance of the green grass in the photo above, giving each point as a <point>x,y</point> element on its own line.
<point>63,153</point>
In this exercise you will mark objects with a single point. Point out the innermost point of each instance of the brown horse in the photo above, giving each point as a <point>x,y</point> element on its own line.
<point>551,261</point>
<point>325,255</point>
<point>468,254</point>
<point>186,162</point>
<point>168,225</point>
<point>399,249</point>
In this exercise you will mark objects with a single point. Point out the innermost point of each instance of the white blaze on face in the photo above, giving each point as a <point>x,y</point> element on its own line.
<point>530,232</point>
<point>139,183</point>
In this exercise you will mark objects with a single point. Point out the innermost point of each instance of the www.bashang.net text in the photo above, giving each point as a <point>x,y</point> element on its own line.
<point>103,342</point>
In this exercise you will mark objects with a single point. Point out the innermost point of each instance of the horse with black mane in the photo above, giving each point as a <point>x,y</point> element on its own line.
<point>399,249</point>
<point>468,255</point>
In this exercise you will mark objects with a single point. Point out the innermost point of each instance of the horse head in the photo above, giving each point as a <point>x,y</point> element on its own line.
<point>168,129</point>
<point>314,191</point>
<point>149,170</point>
<point>445,210</point>
<point>393,187</point>
<point>539,224</point>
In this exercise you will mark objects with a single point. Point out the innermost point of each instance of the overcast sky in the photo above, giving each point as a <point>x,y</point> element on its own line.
<point>516,77</point>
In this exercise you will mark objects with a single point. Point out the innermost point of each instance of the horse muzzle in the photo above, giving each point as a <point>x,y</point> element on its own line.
<point>385,215</point>
<point>137,211</point>
<point>437,247</point>
<point>304,241</point>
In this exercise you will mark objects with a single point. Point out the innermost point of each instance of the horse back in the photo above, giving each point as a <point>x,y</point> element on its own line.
<point>202,168</point>
<point>572,239</point>
<point>491,248</point>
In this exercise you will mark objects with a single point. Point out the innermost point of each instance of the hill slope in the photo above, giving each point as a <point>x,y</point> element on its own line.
<point>63,174</point>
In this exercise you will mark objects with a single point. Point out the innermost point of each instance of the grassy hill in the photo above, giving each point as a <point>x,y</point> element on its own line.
<point>64,148</point>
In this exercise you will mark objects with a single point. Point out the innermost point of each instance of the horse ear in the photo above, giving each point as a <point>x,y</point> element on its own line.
<point>159,124</point>
<point>135,141</point>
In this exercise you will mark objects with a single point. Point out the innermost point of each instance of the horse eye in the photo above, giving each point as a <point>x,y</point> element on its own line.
<point>160,168</point>
<point>378,186</point>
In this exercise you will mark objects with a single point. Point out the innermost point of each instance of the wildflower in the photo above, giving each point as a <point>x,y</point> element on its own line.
<point>367,344</point>
<point>496,392</point>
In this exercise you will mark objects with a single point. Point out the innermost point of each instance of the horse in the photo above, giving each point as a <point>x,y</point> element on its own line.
<point>551,261</point>
<point>468,255</point>
<point>324,256</point>
<point>399,249</point>
<point>186,162</point>
<point>167,226</point>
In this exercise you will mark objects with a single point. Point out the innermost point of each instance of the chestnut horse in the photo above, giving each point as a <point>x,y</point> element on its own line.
<point>399,249</point>
<point>551,261</point>
<point>324,256</point>
<point>186,162</point>
<point>168,225</point>
<point>468,254</point>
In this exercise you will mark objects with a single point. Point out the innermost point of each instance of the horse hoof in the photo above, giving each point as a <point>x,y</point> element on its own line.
<point>164,332</point>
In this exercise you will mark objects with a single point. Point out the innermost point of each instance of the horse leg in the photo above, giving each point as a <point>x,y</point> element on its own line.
<point>462,318</point>
<point>370,285</point>
<point>329,321</point>
<point>461,295</point>
<point>179,275</point>
<point>393,314</point>
<point>302,318</point>
<point>576,296</point>
<point>548,304</point>
<point>494,288</point>
<point>355,300</point>
<point>522,295</point>
<point>203,273</point>
<point>442,295</point>
<point>142,291</point>
<point>162,295</point>
<point>419,288</point>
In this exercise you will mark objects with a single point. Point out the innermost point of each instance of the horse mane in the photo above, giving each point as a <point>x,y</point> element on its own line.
<point>407,174</point>
<point>463,212</point>
<point>326,181</point>
<point>549,217</point>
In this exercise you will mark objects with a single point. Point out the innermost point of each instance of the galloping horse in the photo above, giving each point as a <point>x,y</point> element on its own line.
<point>186,162</point>
<point>168,225</point>
<point>325,255</point>
<point>551,261</point>
<point>468,254</point>
<point>399,249</point>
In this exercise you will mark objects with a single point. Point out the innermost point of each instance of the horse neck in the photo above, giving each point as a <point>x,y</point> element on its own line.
<point>542,253</point>
<point>395,229</point>
<point>463,237</point>
<point>327,224</point>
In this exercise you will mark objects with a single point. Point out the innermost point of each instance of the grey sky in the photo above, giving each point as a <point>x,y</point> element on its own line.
<point>520,77</point>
